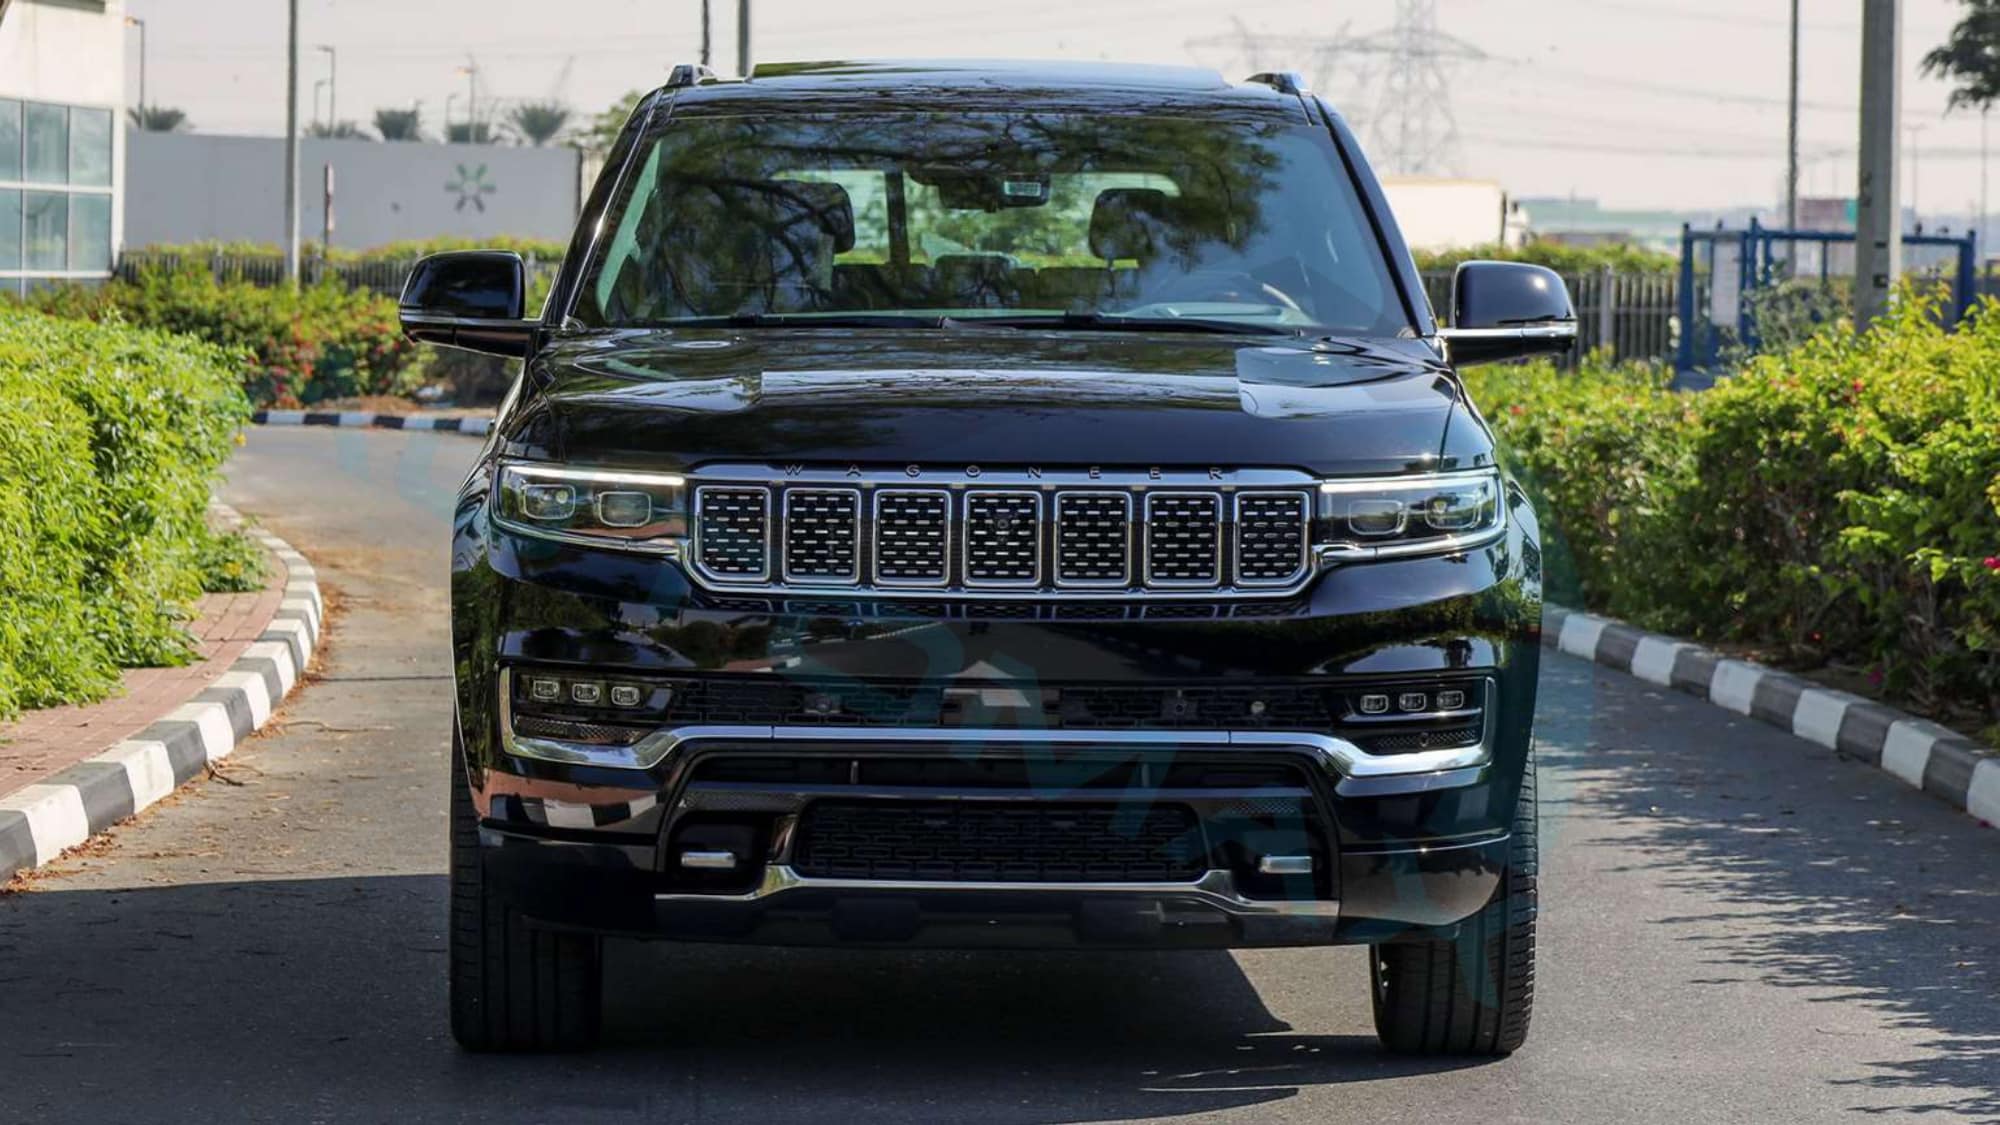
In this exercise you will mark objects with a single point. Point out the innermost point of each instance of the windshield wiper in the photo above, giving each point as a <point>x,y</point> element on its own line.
<point>806,320</point>
<point>1113,322</point>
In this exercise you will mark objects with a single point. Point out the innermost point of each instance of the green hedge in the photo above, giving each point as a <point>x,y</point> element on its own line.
<point>298,347</point>
<point>1622,258</point>
<point>109,439</point>
<point>1837,504</point>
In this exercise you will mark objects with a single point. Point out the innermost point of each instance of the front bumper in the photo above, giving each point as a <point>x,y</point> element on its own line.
<point>1401,843</point>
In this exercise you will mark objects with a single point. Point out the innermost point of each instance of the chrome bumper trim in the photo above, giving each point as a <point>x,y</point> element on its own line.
<point>1425,769</point>
<point>1216,890</point>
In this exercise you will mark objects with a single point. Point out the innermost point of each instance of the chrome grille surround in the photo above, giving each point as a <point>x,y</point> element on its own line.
<point>912,542</point>
<point>1003,538</point>
<point>1273,537</point>
<point>1093,539</point>
<point>732,526</point>
<point>1105,535</point>
<point>823,535</point>
<point>1183,540</point>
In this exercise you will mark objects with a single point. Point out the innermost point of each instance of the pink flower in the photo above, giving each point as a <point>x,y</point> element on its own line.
<point>1992,562</point>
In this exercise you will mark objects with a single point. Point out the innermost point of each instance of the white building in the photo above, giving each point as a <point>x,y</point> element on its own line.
<point>62,144</point>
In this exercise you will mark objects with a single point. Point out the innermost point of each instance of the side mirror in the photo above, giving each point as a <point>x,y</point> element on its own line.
<point>469,299</point>
<point>1507,310</point>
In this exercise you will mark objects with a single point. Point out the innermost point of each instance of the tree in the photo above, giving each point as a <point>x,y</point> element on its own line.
<point>160,119</point>
<point>338,130</point>
<point>461,133</point>
<point>604,128</point>
<point>400,124</point>
<point>1970,57</point>
<point>538,123</point>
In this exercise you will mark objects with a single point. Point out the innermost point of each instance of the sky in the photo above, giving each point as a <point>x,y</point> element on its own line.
<point>1636,103</point>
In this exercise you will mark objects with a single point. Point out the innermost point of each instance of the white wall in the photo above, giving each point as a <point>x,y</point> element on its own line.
<point>193,187</point>
<point>1437,214</point>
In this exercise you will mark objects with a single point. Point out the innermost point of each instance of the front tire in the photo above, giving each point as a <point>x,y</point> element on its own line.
<point>1471,995</point>
<point>513,987</point>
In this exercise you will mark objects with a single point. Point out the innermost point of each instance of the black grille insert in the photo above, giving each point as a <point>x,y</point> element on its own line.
<point>912,537</point>
<point>1183,539</point>
<point>823,534</point>
<point>989,841</point>
<point>1270,537</point>
<point>1003,539</point>
<point>733,525</point>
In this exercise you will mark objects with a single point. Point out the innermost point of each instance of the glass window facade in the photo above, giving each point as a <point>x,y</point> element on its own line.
<point>56,193</point>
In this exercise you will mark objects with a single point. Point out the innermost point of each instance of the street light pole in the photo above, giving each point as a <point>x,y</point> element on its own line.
<point>1792,133</point>
<point>135,21</point>
<point>292,145</point>
<point>707,37</point>
<point>1878,229</point>
<point>332,87</point>
<point>1917,174</point>
<point>743,38</point>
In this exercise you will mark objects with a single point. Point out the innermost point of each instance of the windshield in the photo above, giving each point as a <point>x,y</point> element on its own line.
<point>1087,220</point>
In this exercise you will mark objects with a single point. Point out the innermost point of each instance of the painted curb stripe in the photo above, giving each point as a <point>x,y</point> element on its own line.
<point>40,821</point>
<point>1916,751</point>
<point>456,424</point>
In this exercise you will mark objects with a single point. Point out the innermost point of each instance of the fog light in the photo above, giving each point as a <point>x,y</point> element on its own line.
<point>544,690</point>
<point>709,861</point>
<point>1285,865</point>
<point>624,695</point>
<point>1450,700</point>
<point>1374,704</point>
<point>586,693</point>
<point>1412,701</point>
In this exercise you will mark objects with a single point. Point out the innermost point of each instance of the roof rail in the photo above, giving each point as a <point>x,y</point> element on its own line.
<point>1283,81</point>
<point>689,74</point>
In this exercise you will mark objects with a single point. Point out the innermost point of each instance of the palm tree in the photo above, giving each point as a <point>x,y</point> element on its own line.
<point>339,130</point>
<point>460,133</point>
<point>160,119</point>
<point>538,123</point>
<point>400,124</point>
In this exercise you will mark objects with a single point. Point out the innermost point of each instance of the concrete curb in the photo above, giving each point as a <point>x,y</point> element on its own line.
<point>1917,752</point>
<point>39,822</point>
<point>474,426</point>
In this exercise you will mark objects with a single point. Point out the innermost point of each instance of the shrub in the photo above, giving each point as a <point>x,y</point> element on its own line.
<point>300,347</point>
<point>1839,502</point>
<point>1621,257</point>
<point>109,439</point>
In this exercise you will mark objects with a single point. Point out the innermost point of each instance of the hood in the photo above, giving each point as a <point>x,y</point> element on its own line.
<point>890,398</point>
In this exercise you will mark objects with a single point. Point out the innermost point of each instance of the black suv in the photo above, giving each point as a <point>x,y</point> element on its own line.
<point>962,505</point>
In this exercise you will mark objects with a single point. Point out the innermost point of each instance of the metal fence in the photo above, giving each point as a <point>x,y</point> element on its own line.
<point>1632,315</point>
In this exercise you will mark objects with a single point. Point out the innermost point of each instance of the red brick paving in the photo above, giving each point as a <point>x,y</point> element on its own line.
<point>45,742</point>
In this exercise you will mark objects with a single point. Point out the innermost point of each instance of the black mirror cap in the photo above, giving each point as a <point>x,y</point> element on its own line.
<point>1508,295</point>
<point>1508,310</point>
<point>470,299</point>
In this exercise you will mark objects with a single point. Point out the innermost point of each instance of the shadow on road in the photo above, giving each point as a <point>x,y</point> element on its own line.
<point>299,999</point>
<point>1808,859</point>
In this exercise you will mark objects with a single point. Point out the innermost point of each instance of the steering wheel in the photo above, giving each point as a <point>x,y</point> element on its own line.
<point>1221,287</point>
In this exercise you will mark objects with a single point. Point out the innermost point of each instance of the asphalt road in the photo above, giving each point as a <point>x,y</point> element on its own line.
<point>1736,926</point>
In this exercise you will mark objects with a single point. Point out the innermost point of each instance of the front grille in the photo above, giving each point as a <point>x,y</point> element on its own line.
<point>1003,539</point>
<point>1105,540</point>
<point>1270,538</point>
<point>732,532</point>
<point>823,535</point>
<point>975,841</point>
<point>912,537</point>
<point>1183,539</point>
<point>1094,539</point>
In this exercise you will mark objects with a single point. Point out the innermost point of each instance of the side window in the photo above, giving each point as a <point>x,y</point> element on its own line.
<point>624,244</point>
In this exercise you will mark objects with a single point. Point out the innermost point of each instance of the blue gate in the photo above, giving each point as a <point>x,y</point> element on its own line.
<point>1722,271</point>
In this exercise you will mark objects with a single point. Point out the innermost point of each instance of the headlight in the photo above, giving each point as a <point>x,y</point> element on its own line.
<point>1409,515</point>
<point>638,511</point>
